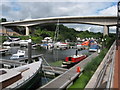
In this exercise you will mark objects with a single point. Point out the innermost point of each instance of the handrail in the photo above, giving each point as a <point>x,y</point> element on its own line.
<point>101,74</point>
<point>110,77</point>
<point>103,71</point>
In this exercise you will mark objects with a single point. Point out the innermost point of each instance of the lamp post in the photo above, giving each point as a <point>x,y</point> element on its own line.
<point>105,42</point>
<point>102,43</point>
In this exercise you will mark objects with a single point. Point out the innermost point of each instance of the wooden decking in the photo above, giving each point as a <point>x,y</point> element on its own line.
<point>69,76</point>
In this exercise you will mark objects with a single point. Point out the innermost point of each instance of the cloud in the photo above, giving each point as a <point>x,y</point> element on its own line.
<point>109,11</point>
<point>23,10</point>
<point>84,27</point>
<point>60,0</point>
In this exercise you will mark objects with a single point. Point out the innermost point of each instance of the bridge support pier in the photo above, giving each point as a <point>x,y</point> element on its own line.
<point>106,30</point>
<point>27,30</point>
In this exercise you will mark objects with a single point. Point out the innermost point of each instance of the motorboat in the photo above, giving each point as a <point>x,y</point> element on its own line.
<point>22,77</point>
<point>60,45</point>
<point>9,43</point>
<point>24,43</point>
<point>72,60</point>
<point>18,55</point>
<point>94,48</point>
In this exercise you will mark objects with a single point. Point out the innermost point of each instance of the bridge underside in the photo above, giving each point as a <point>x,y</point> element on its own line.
<point>105,30</point>
<point>105,21</point>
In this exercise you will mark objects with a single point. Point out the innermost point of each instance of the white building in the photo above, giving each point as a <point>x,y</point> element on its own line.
<point>47,40</point>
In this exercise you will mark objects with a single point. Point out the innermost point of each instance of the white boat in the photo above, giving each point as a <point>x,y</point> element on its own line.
<point>8,43</point>
<point>11,42</point>
<point>18,55</point>
<point>60,45</point>
<point>23,77</point>
<point>24,42</point>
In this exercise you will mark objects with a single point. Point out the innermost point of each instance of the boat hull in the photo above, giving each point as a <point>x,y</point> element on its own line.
<point>33,83</point>
<point>70,61</point>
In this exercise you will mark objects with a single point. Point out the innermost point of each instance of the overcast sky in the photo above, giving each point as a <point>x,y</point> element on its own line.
<point>27,9</point>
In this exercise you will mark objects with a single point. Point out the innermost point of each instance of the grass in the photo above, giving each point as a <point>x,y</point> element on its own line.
<point>57,63</point>
<point>89,70</point>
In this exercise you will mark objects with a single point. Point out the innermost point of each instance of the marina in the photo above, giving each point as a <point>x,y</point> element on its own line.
<point>59,45</point>
<point>69,76</point>
<point>48,70</point>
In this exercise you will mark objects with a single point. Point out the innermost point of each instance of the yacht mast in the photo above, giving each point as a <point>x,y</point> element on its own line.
<point>56,33</point>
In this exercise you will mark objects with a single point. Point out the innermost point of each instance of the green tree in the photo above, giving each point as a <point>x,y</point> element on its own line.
<point>3,20</point>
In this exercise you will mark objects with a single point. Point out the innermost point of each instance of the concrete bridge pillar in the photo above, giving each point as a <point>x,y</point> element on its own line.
<point>106,30</point>
<point>27,30</point>
<point>4,31</point>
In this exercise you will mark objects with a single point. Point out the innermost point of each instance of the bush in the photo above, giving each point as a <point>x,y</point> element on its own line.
<point>36,39</point>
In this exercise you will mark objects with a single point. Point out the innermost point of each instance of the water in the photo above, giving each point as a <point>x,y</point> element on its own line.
<point>49,55</point>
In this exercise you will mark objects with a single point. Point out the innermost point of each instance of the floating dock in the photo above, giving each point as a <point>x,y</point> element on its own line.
<point>56,70</point>
<point>65,79</point>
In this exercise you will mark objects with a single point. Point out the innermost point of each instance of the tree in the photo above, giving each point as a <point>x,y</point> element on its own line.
<point>3,20</point>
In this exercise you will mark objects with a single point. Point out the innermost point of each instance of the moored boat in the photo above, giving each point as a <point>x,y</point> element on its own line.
<point>18,55</point>
<point>94,48</point>
<point>23,77</point>
<point>72,60</point>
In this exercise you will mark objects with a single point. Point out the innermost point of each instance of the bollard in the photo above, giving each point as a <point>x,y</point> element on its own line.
<point>78,69</point>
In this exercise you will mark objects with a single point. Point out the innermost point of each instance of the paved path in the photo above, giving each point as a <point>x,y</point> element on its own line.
<point>66,78</point>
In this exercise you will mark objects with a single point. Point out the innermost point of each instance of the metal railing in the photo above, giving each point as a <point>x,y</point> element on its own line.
<point>108,62</point>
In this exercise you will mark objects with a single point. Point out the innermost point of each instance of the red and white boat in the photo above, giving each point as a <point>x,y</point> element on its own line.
<point>72,60</point>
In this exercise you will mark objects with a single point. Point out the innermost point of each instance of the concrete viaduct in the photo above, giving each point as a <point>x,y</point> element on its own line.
<point>105,21</point>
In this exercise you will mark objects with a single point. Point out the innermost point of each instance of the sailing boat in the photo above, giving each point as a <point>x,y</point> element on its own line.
<point>55,52</point>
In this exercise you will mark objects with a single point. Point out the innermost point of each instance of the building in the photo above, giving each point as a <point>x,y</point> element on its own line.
<point>7,31</point>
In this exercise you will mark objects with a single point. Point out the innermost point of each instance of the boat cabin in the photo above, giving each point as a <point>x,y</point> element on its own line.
<point>20,54</point>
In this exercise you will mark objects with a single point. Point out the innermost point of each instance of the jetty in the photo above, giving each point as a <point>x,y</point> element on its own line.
<point>3,51</point>
<point>68,77</point>
<point>57,70</point>
<point>19,62</point>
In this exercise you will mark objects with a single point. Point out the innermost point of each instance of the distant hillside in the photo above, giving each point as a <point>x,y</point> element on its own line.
<point>48,30</point>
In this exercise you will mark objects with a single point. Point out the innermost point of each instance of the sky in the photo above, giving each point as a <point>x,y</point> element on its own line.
<point>27,9</point>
